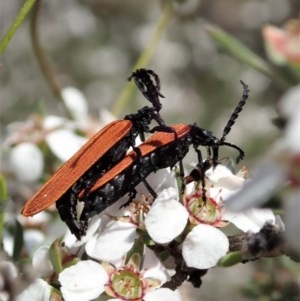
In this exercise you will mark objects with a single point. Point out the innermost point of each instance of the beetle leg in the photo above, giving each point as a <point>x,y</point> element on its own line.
<point>68,215</point>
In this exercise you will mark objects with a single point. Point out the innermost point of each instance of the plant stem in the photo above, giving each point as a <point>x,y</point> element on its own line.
<point>42,58</point>
<point>145,57</point>
<point>16,24</point>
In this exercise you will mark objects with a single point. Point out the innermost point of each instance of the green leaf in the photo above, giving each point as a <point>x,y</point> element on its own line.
<point>18,240</point>
<point>244,54</point>
<point>55,256</point>
<point>103,297</point>
<point>3,190</point>
<point>55,295</point>
<point>230,259</point>
<point>3,201</point>
<point>16,24</point>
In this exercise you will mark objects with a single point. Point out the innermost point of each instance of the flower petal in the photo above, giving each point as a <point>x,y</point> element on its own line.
<point>113,242</point>
<point>282,45</point>
<point>154,268</point>
<point>204,246</point>
<point>64,143</point>
<point>71,242</point>
<point>76,102</point>
<point>215,173</point>
<point>273,37</point>
<point>162,294</point>
<point>41,262</point>
<point>33,238</point>
<point>52,122</point>
<point>167,218</point>
<point>83,281</point>
<point>159,181</point>
<point>250,220</point>
<point>223,177</point>
<point>27,161</point>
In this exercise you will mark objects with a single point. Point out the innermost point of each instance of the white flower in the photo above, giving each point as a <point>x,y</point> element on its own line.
<point>59,133</point>
<point>83,281</point>
<point>33,238</point>
<point>52,123</point>
<point>88,279</point>
<point>248,220</point>
<point>282,44</point>
<point>221,176</point>
<point>112,233</point>
<point>27,162</point>
<point>221,184</point>
<point>64,143</point>
<point>113,242</point>
<point>135,282</point>
<point>167,218</point>
<point>76,102</point>
<point>164,294</point>
<point>204,246</point>
<point>8,243</point>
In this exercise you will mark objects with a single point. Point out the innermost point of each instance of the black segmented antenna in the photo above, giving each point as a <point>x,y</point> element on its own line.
<point>236,112</point>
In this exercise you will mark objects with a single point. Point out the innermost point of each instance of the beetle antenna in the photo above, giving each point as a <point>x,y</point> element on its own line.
<point>148,83</point>
<point>236,112</point>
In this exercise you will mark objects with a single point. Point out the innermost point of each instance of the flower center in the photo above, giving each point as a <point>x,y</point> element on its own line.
<point>204,212</point>
<point>139,208</point>
<point>126,284</point>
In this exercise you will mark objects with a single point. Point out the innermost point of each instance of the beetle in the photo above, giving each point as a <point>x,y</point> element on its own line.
<point>100,153</point>
<point>163,149</point>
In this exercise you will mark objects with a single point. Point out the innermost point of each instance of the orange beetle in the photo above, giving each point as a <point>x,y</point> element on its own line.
<point>102,151</point>
<point>163,149</point>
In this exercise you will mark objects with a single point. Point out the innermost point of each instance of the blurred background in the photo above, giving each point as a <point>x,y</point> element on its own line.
<point>93,45</point>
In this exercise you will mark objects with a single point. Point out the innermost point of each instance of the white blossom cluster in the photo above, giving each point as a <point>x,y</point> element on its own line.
<point>116,257</point>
